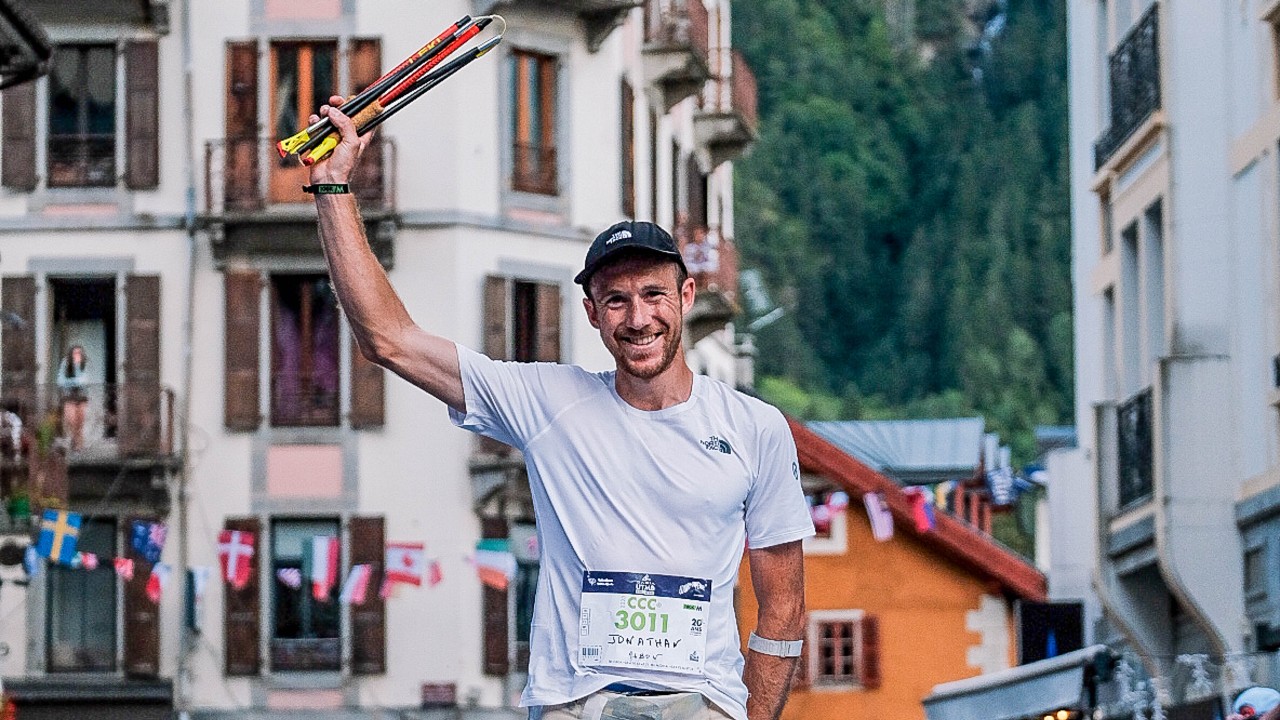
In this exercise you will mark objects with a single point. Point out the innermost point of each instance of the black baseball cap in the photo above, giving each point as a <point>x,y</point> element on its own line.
<point>629,235</point>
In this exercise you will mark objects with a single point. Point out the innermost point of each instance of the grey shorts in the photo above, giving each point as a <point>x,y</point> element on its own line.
<point>607,705</point>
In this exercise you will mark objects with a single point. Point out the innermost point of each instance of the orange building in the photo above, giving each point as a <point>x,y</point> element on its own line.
<point>889,620</point>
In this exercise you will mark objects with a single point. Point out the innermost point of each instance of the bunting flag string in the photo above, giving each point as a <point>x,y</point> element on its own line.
<point>157,581</point>
<point>148,539</point>
<point>324,566</point>
<point>124,568</point>
<point>235,553</point>
<point>495,564</point>
<point>291,577</point>
<point>356,588</point>
<point>879,515</point>
<point>59,533</point>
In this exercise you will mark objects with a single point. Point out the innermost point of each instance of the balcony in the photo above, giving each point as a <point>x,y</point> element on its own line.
<point>1134,84</point>
<point>677,49</point>
<point>727,122</point>
<point>103,440</point>
<point>1134,447</point>
<point>254,203</point>
<point>712,261</point>
<point>599,17</point>
<point>150,13</point>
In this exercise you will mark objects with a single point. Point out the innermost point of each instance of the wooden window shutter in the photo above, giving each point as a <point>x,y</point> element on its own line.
<point>140,399</point>
<point>18,344</point>
<point>141,616</point>
<point>241,607</point>
<point>869,665</point>
<point>368,391</point>
<point>800,678</point>
<point>496,622</point>
<point>142,114</point>
<point>497,303</point>
<point>18,164</point>
<point>548,315</point>
<point>243,298</point>
<point>697,194</point>
<point>240,173</point>
<point>364,65</point>
<point>368,621</point>
<point>628,150</point>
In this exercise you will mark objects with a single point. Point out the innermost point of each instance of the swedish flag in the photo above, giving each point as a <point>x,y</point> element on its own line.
<point>59,532</point>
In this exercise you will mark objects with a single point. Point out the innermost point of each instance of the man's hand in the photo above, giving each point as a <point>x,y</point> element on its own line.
<point>338,167</point>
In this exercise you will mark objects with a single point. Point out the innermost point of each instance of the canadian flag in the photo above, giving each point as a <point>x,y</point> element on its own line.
<point>324,566</point>
<point>235,552</point>
<point>405,563</point>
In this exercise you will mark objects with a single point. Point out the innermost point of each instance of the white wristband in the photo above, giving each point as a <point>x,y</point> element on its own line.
<point>777,648</point>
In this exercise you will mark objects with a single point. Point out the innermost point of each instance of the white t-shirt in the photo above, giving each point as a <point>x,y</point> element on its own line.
<point>674,492</point>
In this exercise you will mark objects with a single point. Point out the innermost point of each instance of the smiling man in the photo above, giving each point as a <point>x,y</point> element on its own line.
<point>647,480</point>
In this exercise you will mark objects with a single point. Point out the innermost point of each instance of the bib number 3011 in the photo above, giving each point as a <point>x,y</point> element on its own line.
<point>644,621</point>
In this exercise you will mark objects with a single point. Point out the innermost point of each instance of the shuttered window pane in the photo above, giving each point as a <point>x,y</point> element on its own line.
<point>304,351</point>
<point>82,607</point>
<point>82,116</point>
<point>305,630</point>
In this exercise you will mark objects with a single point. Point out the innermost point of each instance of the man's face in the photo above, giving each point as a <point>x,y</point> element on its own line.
<point>639,310</point>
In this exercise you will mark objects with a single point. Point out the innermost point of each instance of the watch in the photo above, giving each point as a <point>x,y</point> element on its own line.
<point>777,648</point>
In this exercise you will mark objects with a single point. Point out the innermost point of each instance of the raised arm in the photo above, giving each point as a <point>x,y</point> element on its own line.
<point>777,575</point>
<point>383,329</point>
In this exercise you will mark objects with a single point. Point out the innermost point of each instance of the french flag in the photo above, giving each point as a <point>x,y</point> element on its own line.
<point>324,566</point>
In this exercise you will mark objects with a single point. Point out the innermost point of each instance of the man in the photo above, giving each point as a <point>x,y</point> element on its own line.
<point>646,481</point>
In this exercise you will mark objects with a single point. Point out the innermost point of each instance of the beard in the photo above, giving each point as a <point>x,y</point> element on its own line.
<point>649,369</point>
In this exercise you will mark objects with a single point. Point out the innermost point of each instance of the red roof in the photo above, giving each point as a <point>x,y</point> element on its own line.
<point>950,537</point>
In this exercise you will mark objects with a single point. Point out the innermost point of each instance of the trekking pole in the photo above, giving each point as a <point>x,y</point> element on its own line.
<point>323,127</point>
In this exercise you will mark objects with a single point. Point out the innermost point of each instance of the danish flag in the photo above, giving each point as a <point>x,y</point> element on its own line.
<point>235,552</point>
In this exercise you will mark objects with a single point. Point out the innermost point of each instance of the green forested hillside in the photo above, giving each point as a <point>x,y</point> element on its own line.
<point>907,204</point>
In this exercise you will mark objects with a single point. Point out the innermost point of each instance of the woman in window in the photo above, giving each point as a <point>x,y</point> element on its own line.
<point>71,384</point>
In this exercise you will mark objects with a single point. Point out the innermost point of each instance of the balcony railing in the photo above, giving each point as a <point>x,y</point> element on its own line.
<point>679,24</point>
<point>1135,85</point>
<point>248,176</point>
<point>712,261</point>
<point>304,400</point>
<point>733,91</point>
<point>82,160</point>
<point>533,169</point>
<point>94,423</point>
<point>1134,425</point>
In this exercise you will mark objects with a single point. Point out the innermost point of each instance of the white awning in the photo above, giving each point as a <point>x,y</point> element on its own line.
<point>1031,690</point>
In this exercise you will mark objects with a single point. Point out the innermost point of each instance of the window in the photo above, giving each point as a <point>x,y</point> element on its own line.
<point>1255,571</point>
<point>521,320</point>
<point>534,91</point>
<point>82,607</point>
<point>843,649</point>
<point>828,511</point>
<point>305,630</point>
<point>82,117</point>
<point>303,77</point>
<point>304,351</point>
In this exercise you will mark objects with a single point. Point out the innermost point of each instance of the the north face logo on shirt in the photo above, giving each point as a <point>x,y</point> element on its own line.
<point>715,443</point>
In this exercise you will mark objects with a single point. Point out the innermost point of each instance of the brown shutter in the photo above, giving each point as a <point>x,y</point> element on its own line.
<point>364,64</point>
<point>241,626</point>
<point>800,678</point>
<point>368,388</point>
<point>496,621</point>
<point>140,399</point>
<point>18,164</point>
<point>628,150</point>
<point>869,668</point>
<point>142,114</point>
<point>548,315</point>
<point>497,302</point>
<point>240,176</point>
<point>243,297</point>
<point>18,345</point>
<point>141,616</point>
<point>697,196</point>
<point>368,621</point>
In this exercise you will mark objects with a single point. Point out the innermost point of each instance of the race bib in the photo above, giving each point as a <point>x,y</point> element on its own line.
<point>644,621</point>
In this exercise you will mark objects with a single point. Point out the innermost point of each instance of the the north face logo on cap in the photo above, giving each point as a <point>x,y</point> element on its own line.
<point>620,235</point>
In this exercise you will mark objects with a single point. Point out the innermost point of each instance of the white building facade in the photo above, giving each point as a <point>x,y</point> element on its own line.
<point>1175,124</point>
<point>145,217</point>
